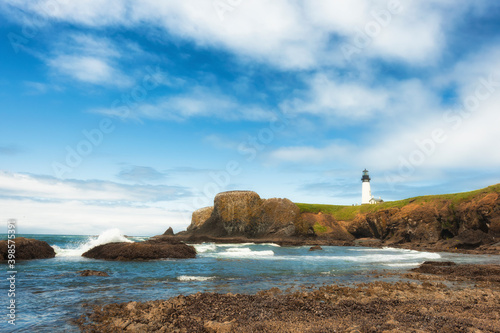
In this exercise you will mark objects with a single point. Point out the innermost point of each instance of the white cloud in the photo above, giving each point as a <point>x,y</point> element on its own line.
<point>338,151</point>
<point>48,205</point>
<point>287,34</point>
<point>77,218</point>
<point>106,192</point>
<point>196,102</point>
<point>85,69</point>
<point>327,97</point>
<point>92,13</point>
<point>89,59</point>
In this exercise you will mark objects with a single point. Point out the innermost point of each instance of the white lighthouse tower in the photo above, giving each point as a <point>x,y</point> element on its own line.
<point>366,192</point>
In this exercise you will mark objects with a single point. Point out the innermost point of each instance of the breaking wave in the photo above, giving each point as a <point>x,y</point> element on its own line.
<point>108,236</point>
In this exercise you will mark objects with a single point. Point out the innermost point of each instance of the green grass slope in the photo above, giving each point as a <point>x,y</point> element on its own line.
<point>347,213</point>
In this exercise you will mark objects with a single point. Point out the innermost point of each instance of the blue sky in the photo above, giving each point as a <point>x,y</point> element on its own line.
<point>132,114</point>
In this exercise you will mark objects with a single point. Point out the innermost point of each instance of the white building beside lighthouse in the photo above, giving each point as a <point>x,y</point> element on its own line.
<point>366,192</point>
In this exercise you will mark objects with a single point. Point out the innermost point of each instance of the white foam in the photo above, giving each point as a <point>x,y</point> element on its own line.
<point>108,236</point>
<point>235,244</point>
<point>238,252</point>
<point>205,247</point>
<point>405,264</point>
<point>195,278</point>
<point>395,258</point>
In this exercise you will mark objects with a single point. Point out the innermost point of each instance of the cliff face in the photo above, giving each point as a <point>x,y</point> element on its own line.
<point>462,221</point>
<point>442,223</point>
<point>244,213</point>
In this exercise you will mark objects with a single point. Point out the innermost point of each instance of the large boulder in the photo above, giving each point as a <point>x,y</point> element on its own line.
<point>141,251</point>
<point>237,211</point>
<point>27,248</point>
<point>199,217</point>
<point>277,217</point>
<point>245,214</point>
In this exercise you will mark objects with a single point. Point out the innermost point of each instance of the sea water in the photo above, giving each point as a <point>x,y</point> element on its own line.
<point>50,293</point>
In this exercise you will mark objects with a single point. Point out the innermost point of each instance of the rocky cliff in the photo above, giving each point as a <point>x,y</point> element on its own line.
<point>464,221</point>
<point>245,214</point>
<point>451,222</point>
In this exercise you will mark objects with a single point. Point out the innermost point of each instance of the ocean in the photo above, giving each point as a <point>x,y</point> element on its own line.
<point>49,293</point>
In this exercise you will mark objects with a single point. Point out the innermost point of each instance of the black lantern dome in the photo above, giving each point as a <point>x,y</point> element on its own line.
<point>366,176</point>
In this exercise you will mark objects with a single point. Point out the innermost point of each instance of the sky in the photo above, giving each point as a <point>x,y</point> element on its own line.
<point>132,114</point>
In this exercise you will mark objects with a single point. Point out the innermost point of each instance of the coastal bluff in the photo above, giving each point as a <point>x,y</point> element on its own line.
<point>244,214</point>
<point>462,222</point>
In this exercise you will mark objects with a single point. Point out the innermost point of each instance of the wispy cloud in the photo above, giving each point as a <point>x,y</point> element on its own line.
<point>197,102</point>
<point>89,59</point>
<point>33,187</point>
<point>284,33</point>
<point>327,96</point>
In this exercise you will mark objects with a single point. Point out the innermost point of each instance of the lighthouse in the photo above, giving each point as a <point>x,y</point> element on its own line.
<point>366,192</point>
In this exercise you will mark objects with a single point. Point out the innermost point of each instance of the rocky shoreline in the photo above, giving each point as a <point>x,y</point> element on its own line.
<point>432,304</point>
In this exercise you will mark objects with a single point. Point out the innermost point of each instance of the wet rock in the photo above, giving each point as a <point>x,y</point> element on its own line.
<point>26,249</point>
<point>141,251</point>
<point>315,248</point>
<point>89,272</point>
<point>451,271</point>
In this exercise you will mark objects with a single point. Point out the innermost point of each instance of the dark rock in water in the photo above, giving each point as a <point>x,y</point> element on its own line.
<point>439,263</point>
<point>27,248</point>
<point>316,248</point>
<point>89,272</point>
<point>141,251</point>
<point>169,232</point>
<point>452,271</point>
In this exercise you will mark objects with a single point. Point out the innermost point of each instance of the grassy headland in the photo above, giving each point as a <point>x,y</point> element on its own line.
<point>348,213</point>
